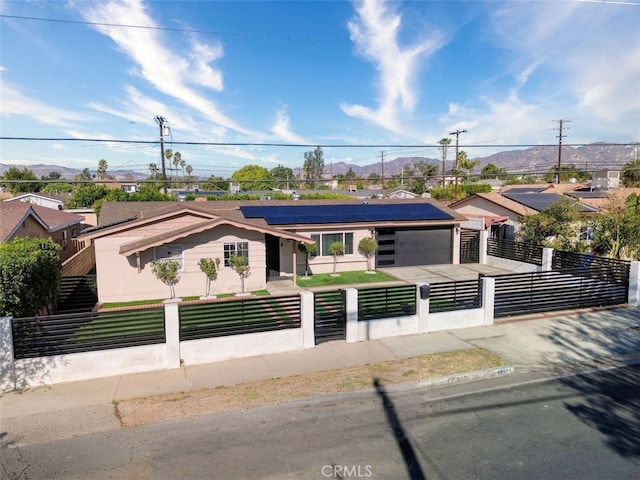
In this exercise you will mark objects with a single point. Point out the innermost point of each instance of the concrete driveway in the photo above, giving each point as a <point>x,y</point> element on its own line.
<point>442,273</point>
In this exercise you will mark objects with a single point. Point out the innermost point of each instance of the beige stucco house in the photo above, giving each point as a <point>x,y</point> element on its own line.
<point>132,234</point>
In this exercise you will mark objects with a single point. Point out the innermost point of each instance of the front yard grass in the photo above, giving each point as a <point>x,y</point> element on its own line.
<point>343,278</point>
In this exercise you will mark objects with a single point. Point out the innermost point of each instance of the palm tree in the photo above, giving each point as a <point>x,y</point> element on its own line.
<point>189,170</point>
<point>444,144</point>
<point>168,154</point>
<point>466,163</point>
<point>176,161</point>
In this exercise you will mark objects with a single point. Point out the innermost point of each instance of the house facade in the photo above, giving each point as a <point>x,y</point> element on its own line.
<point>130,235</point>
<point>23,219</point>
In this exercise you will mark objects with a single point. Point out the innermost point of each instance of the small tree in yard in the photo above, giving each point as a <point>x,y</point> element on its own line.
<point>309,250</point>
<point>167,272</point>
<point>336,249</point>
<point>209,267</point>
<point>240,265</point>
<point>367,247</point>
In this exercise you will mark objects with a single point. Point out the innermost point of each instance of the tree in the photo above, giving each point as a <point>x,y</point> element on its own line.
<point>102,169</point>
<point>30,275</point>
<point>52,176</point>
<point>631,174</point>
<point>177,158</point>
<point>19,180</point>
<point>336,249</point>
<point>617,233</point>
<point>567,173</point>
<point>86,195</point>
<point>491,170</point>
<point>216,183</point>
<point>240,264</point>
<point>282,177</point>
<point>189,170</point>
<point>555,226</point>
<point>466,164</point>
<point>313,166</point>
<point>253,177</point>
<point>168,155</point>
<point>85,176</point>
<point>309,250</point>
<point>209,267</point>
<point>444,145</point>
<point>57,187</point>
<point>367,247</point>
<point>167,272</point>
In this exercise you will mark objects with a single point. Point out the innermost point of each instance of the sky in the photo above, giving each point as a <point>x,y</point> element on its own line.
<point>263,82</point>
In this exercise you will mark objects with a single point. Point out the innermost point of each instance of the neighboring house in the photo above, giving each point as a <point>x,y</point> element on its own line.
<point>503,211</point>
<point>22,219</point>
<point>130,235</point>
<point>54,201</point>
<point>400,193</point>
<point>130,187</point>
<point>606,179</point>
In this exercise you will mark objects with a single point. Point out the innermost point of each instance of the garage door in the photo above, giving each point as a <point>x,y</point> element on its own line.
<point>406,247</point>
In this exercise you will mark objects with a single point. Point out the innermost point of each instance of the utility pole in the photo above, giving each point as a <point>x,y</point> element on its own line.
<point>560,137</point>
<point>455,162</point>
<point>160,120</point>
<point>382,174</point>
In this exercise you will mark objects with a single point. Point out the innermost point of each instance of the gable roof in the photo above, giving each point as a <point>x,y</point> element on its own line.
<point>540,201</point>
<point>497,199</point>
<point>12,214</point>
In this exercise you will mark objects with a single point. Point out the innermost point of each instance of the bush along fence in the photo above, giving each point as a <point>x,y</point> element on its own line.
<point>46,350</point>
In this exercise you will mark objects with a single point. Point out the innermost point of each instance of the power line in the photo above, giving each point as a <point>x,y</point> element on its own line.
<point>306,145</point>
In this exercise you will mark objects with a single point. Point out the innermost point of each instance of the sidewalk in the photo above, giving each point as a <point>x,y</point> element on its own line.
<point>527,343</point>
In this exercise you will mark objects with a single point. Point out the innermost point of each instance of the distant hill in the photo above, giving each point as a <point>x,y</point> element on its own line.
<point>41,170</point>
<point>596,156</point>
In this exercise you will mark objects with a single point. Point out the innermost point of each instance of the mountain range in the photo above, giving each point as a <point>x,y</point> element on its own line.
<point>533,160</point>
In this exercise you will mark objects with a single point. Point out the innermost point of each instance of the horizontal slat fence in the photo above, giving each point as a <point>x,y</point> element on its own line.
<point>588,265</point>
<point>329,316</point>
<point>459,295</point>
<point>85,332</point>
<point>386,302</point>
<point>523,293</point>
<point>520,252</point>
<point>235,317</point>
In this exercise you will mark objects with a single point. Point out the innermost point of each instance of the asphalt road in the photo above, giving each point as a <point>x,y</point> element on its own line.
<point>577,427</point>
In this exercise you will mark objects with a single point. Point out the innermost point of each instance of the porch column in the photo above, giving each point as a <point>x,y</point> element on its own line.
<point>295,263</point>
<point>350,296</point>
<point>634,284</point>
<point>7,367</point>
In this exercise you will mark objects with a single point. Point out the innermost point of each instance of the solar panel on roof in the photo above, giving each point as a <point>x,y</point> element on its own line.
<point>526,190</point>
<point>343,213</point>
<point>540,201</point>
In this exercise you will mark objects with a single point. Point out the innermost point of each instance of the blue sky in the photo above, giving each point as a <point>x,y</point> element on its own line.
<point>311,73</point>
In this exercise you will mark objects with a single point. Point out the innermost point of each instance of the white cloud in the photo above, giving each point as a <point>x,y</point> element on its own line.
<point>374,33</point>
<point>168,71</point>
<point>282,128</point>
<point>15,102</point>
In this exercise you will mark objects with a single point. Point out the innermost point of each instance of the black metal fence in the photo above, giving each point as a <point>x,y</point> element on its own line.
<point>520,252</point>
<point>386,302</point>
<point>591,266</point>
<point>329,316</point>
<point>523,293</point>
<point>84,332</point>
<point>451,296</point>
<point>237,317</point>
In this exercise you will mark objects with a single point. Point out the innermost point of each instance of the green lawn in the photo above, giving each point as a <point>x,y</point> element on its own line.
<point>327,279</point>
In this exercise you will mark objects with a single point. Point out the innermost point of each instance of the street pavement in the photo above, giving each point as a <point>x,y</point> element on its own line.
<point>550,344</point>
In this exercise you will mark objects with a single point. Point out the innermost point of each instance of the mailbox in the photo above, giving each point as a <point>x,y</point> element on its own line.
<point>425,290</point>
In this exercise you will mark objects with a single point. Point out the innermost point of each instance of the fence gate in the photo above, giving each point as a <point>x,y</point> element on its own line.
<point>469,246</point>
<point>523,293</point>
<point>330,321</point>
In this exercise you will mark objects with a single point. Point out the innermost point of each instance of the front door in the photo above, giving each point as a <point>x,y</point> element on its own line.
<point>272,247</point>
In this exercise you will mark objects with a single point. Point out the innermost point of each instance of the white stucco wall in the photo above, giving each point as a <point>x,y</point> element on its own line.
<point>119,280</point>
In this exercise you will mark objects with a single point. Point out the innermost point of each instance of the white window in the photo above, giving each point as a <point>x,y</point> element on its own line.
<point>324,241</point>
<point>169,252</point>
<point>239,249</point>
